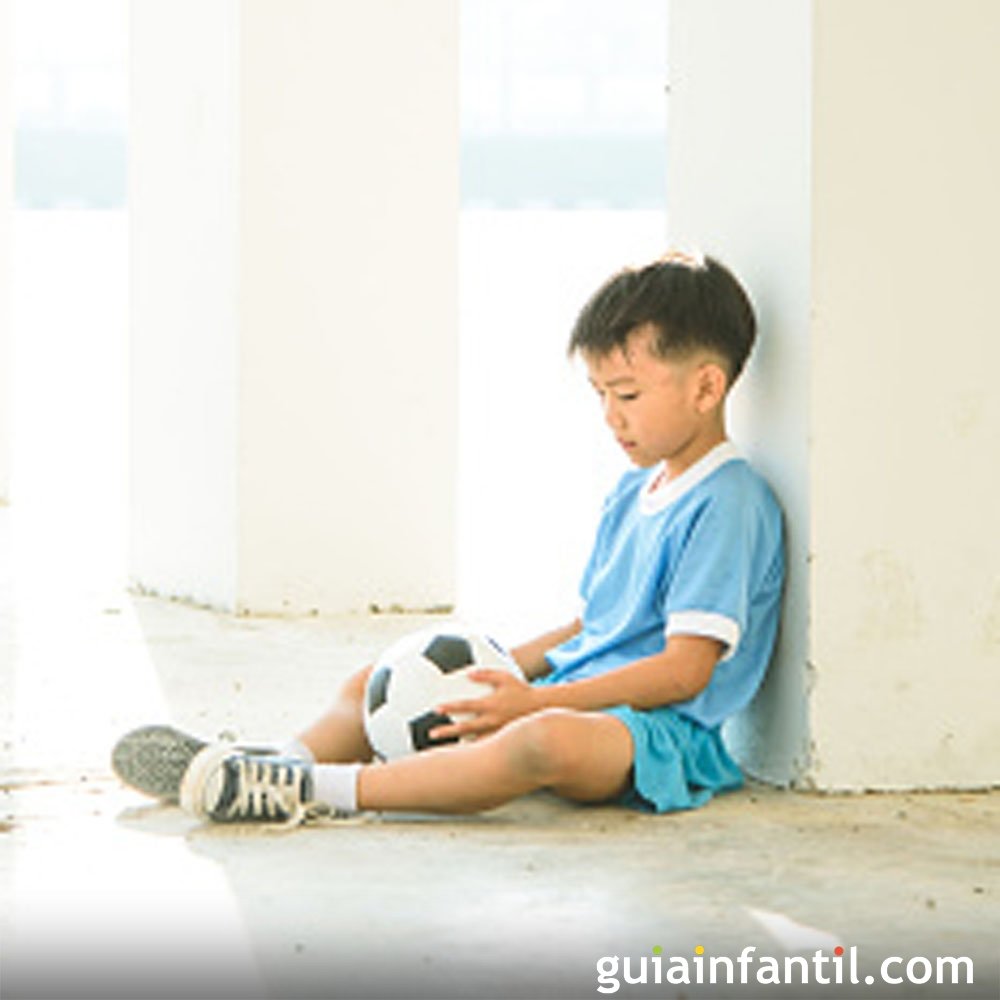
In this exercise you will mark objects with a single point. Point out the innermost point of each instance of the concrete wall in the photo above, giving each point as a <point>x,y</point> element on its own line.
<point>836,154</point>
<point>905,414</point>
<point>738,186</point>
<point>349,270</point>
<point>294,199</point>
<point>184,195</point>
<point>6,208</point>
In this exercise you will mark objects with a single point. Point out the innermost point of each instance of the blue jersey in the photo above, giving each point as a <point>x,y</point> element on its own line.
<point>702,555</point>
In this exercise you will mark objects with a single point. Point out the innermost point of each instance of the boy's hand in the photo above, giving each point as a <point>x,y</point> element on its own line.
<point>510,698</point>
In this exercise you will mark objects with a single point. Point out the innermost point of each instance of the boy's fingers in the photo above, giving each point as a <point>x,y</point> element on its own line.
<point>467,727</point>
<point>469,706</point>
<point>444,733</point>
<point>488,675</point>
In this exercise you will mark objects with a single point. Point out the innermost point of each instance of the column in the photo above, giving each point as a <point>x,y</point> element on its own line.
<point>738,186</point>
<point>6,210</point>
<point>905,416</point>
<point>836,153</point>
<point>294,198</point>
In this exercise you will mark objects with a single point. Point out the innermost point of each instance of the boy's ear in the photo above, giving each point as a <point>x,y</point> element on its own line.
<point>711,386</point>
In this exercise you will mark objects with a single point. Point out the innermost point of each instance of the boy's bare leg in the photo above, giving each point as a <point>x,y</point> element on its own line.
<point>585,756</point>
<point>338,736</point>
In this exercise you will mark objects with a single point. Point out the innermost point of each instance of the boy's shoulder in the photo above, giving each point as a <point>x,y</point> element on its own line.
<point>723,476</point>
<point>727,482</point>
<point>736,484</point>
<point>738,474</point>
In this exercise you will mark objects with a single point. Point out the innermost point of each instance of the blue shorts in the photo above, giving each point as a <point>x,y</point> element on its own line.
<point>677,763</point>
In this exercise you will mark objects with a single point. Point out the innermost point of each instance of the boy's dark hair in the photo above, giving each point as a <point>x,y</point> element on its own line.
<point>691,303</point>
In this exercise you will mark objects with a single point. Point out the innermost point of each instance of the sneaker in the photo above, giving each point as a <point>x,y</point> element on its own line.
<point>153,759</point>
<point>226,785</point>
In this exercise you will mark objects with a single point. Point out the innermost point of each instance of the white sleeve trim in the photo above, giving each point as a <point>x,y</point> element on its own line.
<point>708,624</point>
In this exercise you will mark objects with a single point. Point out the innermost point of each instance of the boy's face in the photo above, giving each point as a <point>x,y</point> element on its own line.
<point>659,410</point>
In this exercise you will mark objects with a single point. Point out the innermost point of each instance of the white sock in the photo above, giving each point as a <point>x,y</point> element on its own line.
<point>296,748</point>
<point>336,785</point>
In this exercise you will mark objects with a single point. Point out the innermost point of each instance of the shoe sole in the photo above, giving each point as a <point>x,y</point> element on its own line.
<point>153,760</point>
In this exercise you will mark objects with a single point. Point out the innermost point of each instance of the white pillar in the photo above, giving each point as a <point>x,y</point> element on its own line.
<point>905,414</point>
<point>6,209</point>
<point>738,186</point>
<point>294,199</point>
<point>837,153</point>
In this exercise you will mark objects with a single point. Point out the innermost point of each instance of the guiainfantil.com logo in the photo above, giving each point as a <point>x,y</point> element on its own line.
<point>820,968</point>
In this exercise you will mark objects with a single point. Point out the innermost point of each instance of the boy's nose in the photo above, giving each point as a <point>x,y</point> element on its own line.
<point>612,415</point>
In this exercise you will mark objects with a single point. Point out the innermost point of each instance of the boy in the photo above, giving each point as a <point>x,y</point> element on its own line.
<point>681,603</point>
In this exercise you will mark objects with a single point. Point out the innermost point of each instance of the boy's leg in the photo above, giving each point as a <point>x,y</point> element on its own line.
<point>338,736</point>
<point>584,756</point>
<point>153,759</point>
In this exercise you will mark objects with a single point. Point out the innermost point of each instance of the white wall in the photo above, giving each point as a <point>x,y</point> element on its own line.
<point>837,153</point>
<point>905,412</point>
<point>349,275</point>
<point>6,207</point>
<point>184,195</point>
<point>295,305</point>
<point>738,187</point>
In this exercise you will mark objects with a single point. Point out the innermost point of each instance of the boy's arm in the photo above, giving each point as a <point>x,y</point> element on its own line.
<point>681,671</point>
<point>530,656</point>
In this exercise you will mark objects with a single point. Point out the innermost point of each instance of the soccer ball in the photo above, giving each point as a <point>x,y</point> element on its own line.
<point>418,673</point>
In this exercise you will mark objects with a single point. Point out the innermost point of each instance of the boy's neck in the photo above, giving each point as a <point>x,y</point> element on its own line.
<point>693,452</point>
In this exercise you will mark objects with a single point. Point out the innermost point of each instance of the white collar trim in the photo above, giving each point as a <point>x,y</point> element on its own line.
<point>652,501</point>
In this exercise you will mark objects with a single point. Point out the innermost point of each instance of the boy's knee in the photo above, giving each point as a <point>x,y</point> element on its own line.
<point>544,745</point>
<point>355,685</point>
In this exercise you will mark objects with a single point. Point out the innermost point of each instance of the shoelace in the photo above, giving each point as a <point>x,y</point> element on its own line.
<point>267,790</point>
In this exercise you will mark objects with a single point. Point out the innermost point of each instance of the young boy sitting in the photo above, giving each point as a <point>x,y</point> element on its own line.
<point>681,593</point>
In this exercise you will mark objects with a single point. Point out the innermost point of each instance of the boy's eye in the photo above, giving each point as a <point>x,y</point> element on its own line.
<point>627,397</point>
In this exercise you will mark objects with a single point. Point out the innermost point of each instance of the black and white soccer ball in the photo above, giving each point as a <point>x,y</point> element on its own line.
<point>415,675</point>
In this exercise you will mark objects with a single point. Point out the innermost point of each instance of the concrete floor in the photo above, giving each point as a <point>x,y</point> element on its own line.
<point>106,895</point>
